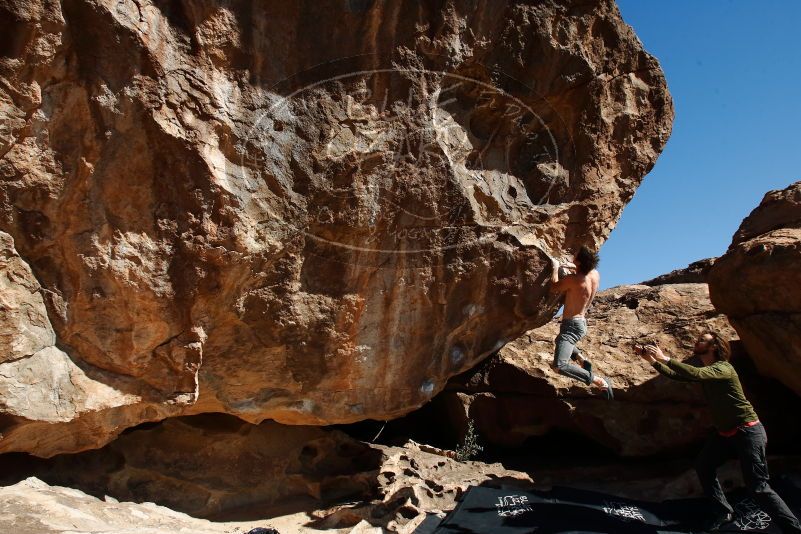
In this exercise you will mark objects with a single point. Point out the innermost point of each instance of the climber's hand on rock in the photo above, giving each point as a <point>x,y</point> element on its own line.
<point>554,275</point>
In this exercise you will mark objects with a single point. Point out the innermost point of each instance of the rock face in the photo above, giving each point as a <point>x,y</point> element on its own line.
<point>223,215</point>
<point>515,395</point>
<point>48,401</point>
<point>757,284</point>
<point>223,469</point>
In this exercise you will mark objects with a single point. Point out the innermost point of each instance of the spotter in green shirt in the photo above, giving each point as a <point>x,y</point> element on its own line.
<point>727,403</point>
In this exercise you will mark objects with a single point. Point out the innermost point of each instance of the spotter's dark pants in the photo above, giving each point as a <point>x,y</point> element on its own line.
<point>748,444</point>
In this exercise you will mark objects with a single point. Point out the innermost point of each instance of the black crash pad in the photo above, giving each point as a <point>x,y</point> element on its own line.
<point>485,510</point>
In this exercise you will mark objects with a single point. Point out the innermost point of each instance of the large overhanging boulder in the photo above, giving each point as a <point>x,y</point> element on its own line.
<point>223,215</point>
<point>757,284</point>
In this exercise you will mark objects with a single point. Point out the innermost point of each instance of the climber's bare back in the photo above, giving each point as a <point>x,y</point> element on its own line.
<point>579,290</point>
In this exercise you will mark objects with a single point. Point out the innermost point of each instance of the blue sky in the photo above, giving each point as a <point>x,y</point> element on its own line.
<point>734,70</point>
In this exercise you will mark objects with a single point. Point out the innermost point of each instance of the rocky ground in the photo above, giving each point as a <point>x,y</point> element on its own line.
<point>409,485</point>
<point>238,477</point>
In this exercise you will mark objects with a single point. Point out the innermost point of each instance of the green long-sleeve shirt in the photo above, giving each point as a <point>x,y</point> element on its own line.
<point>727,403</point>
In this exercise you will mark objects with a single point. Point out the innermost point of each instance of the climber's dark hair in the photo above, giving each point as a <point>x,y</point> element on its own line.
<point>586,259</point>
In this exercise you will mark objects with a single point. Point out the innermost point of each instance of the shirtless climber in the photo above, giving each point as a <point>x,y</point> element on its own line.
<point>579,288</point>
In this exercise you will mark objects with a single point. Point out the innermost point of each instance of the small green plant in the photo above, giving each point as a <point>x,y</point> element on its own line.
<point>469,447</point>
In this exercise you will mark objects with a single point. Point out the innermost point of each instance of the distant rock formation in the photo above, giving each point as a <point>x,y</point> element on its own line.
<point>757,284</point>
<point>213,211</point>
<point>695,273</point>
